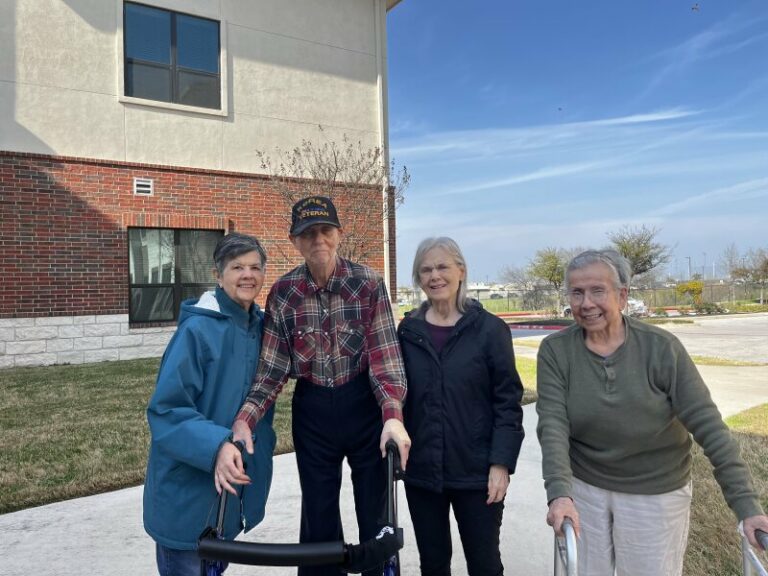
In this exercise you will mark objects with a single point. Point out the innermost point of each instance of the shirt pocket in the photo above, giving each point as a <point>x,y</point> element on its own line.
<point>351,338</point>
<point>304,341</point>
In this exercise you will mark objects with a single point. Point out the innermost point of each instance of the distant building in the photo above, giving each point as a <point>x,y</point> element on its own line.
<point>127,149</point>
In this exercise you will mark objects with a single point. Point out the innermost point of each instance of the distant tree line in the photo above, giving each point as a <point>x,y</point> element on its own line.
<point>541,280</point>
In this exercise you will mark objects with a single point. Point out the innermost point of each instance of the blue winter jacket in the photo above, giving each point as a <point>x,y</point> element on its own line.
<point>204,377</point>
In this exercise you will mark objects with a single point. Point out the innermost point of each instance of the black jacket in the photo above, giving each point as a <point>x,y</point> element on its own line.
<point>463,410</point>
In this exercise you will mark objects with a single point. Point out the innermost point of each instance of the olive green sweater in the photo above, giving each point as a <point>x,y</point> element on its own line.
<point>622,423</point>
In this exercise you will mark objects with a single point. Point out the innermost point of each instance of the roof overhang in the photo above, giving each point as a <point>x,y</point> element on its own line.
<point>392,3</point>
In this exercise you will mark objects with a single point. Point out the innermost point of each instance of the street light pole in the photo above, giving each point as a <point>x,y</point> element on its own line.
<point>689,266</point>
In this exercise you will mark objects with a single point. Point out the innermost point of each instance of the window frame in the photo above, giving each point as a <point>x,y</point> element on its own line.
<point>177,286</point>
<point>174,7</point>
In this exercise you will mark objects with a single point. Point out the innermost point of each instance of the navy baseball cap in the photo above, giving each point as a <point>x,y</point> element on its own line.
<point>310,211</point>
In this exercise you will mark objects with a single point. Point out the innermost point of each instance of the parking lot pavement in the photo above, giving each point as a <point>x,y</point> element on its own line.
<point>735,337</point>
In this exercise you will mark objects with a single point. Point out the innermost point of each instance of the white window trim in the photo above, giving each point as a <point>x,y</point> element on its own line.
<point>175,6</point>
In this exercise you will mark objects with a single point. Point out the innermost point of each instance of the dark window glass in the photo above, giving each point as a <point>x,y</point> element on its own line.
<point>197,42</point>
<point>198,90</point>
<point>152,304</point>
<point>196,255</point>
<point>194,291</point>
<point>171,57</point>
<point>147,34</point>
<point>148,81</point>
<point>167,267</point>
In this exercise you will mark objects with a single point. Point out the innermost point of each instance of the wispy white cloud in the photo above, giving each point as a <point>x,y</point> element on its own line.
<point>541,174</point>
<point>748,190</point>
<point>724,37</point>
<point>658,116</point>
<point>492,141</point>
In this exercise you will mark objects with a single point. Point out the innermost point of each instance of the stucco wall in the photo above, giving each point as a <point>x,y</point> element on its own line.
<point>287,67</point>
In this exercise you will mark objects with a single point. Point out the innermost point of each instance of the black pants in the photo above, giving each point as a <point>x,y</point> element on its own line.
<point>330,424</point>
<point>479,527</point>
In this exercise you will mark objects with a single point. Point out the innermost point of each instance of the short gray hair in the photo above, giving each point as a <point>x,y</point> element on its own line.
<point>450,246</point>
<point>233,245</point>
<point>618,265</point>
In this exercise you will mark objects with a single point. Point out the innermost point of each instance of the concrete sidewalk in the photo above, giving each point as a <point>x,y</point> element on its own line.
<point>103,534</point>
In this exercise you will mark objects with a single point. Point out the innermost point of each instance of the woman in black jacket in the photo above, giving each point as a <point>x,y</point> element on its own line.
<point>463,414</point>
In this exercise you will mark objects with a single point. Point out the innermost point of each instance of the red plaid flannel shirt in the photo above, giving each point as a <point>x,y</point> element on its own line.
<point>328,336</point>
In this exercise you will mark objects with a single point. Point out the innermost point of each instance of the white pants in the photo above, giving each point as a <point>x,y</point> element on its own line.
<point>631,534</point>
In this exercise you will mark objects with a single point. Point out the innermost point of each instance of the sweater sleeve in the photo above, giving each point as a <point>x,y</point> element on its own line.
<point>177,426</point>
<point>508,432</point>
<point>553,428</point>
<point>694,407</point>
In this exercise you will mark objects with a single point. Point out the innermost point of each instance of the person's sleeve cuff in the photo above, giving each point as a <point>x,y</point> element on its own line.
<point>392,409</point>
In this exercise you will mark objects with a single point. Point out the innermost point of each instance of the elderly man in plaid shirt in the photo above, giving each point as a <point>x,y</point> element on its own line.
<point>329,324</point>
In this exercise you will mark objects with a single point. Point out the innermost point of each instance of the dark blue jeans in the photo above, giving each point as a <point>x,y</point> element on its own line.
<point>479,528</point>
<point>171,562</point>
<point>330,424</point>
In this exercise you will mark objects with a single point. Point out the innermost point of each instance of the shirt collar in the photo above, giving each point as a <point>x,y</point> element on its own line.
<point>338,277</point>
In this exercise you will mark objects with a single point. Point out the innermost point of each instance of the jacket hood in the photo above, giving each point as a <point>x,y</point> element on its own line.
<point>216,304</point>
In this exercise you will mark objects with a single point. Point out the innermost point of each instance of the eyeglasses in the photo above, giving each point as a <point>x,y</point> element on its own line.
<point>596,295</point>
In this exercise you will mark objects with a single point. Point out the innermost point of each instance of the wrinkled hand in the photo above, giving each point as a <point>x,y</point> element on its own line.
<point>755,523</point>
<point>241,432</point>
<point>394,430</point>
<point>229,469</point>
<point>498,481</point>
<point>560,509</point>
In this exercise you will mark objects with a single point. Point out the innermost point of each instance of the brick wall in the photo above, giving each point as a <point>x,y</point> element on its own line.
<point>63,222</point>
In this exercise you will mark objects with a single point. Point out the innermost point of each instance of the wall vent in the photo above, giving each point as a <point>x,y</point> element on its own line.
<point>143,186</point>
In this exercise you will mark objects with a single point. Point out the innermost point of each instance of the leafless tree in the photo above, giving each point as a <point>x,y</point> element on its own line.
<point>349,173</point>
<point>730,258</point>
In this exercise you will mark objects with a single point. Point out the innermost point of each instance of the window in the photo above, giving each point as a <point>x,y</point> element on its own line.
<point>166,267</point>
<point>171,57</point>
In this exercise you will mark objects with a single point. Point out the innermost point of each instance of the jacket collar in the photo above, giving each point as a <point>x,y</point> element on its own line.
<point>229,307</point>
<point>417,319</point>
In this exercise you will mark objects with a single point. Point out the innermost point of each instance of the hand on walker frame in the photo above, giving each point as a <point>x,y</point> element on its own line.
<point>394,430</point>
<point>229,469</point>
<point>560,509</point>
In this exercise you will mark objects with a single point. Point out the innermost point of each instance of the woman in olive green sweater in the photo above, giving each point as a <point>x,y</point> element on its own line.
<point>618,402</point>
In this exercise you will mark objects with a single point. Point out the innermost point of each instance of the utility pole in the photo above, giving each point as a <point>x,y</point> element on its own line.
<point>689,266</point>
<point>704,267</point>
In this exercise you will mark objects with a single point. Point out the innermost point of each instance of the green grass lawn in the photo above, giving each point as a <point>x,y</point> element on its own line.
<point>713,544</point>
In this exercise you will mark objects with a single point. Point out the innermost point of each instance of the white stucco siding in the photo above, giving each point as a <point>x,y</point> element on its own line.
<point>287,66</point>
<point>297,80</point>
<point>54,120</point>
<point>347,24</point>
<point>159,136</point>
<point>68,45</point>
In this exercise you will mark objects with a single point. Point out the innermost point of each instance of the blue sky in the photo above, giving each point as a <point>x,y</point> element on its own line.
<point>527,124</point>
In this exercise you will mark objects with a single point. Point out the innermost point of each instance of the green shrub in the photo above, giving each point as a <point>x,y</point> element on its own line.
<point>708,308</point>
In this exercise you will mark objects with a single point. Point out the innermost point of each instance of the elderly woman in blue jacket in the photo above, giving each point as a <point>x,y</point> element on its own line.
<point>204,376</point>
<point>463,415</point>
